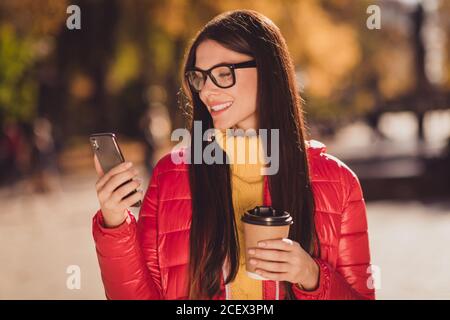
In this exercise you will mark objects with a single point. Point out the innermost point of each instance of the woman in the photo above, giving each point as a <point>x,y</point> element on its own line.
<point>187,243</point>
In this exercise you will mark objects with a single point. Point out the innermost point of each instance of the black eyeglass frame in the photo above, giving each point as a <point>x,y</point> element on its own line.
<point>232,66</point>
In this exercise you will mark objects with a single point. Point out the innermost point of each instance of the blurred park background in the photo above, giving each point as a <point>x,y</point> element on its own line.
<point>378,98</point>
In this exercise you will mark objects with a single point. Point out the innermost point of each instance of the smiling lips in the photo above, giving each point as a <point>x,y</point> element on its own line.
<point>220,107</point>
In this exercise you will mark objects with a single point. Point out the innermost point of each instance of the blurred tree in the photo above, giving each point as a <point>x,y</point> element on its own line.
<point>25,28</point>
<point>94,78</point>
<point>17,88</point>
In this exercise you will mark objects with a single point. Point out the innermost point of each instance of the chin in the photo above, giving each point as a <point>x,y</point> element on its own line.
<point>223,126</point>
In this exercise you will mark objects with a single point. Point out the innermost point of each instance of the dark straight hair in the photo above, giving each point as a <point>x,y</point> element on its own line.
<point>213,234</point>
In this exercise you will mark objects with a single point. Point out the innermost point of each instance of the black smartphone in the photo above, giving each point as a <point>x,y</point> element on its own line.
<point>107,150</point>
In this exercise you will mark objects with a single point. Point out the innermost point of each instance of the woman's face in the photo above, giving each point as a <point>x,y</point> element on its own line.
<point>242,112</point>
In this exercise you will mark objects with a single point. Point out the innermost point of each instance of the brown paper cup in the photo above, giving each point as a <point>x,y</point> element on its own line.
<point>253,234</point>
<point>263,223</point>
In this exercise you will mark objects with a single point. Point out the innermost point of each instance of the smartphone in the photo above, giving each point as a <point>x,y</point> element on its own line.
<point>109,155</point>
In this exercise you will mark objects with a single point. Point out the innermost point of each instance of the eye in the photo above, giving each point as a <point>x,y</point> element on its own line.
<point>225,74</point>
<point>222,72</point>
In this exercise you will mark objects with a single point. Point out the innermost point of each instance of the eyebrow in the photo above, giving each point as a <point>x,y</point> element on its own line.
<point>217,64</point>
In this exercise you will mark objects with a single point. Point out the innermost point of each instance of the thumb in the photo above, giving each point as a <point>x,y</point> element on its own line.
<point>98,167</point>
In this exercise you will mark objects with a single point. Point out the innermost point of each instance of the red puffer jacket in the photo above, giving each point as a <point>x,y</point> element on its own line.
<point>148,259</point>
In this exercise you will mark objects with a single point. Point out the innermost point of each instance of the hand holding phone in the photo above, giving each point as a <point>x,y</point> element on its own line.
<point>110,197</point>
<point>117,188</point>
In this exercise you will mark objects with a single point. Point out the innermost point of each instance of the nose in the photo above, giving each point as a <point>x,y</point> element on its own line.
<point>209,84</point>
<point>209,88</point>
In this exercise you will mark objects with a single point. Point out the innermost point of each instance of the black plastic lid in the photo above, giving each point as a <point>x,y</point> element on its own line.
<point>267,216</point>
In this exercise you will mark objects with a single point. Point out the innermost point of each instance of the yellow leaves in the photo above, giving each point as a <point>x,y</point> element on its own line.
<point>331,48</point>
<point>395,68</point>
<point>125,67</point>
<point>81,86</point>
<point>35,17</point>
<point>272,9</point>
<point>171,16</point>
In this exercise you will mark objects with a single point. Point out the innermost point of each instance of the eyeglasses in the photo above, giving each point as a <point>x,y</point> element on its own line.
<point>222,75</point>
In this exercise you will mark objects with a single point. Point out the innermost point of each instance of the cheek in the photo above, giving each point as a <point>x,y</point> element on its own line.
<point>246,93</point>
<point>202,98</point>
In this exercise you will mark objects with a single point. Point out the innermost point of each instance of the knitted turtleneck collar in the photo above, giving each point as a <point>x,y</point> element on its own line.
<point>245,162</point>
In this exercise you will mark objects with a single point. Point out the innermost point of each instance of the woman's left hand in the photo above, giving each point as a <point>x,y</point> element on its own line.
<point>285,260</point>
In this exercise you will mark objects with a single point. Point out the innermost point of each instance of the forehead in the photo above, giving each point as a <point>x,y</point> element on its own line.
<point>210,53</point>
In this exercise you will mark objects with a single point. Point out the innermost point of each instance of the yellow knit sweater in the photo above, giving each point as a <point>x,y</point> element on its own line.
<point>247,192</point>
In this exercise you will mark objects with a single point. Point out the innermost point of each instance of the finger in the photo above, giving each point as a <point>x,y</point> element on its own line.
<point>98,167</point>
<point>270,265</point>
<point>105,178</point>
<point>129,201</point>
<point>284,244</point>
<point>118,179</point>
<point>277,276</point>
<point>269,254</point>
<point>126,189</point>
<point>111,173</point>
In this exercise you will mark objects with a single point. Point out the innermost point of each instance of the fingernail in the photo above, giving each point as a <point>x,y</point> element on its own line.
<point>252,261</point>
<point>251,251</point>
<point>128,164</point>
<point>261,244</point>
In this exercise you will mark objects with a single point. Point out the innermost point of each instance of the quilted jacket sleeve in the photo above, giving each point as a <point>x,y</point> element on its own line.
<point>352,277</point>
<point>127,271</point>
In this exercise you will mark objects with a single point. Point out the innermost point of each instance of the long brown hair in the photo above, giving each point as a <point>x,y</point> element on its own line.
<point>213,235</point>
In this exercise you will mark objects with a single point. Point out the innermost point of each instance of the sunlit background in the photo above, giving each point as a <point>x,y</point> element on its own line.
<point>378,98</point>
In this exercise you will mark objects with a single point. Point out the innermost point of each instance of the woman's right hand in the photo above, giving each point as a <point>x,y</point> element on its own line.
<point>111,201</point>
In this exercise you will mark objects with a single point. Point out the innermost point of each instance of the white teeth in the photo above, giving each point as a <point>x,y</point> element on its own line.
<point>221,106</point>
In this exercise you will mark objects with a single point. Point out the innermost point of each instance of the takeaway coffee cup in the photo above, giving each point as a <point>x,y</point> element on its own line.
<point>263,223</point>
